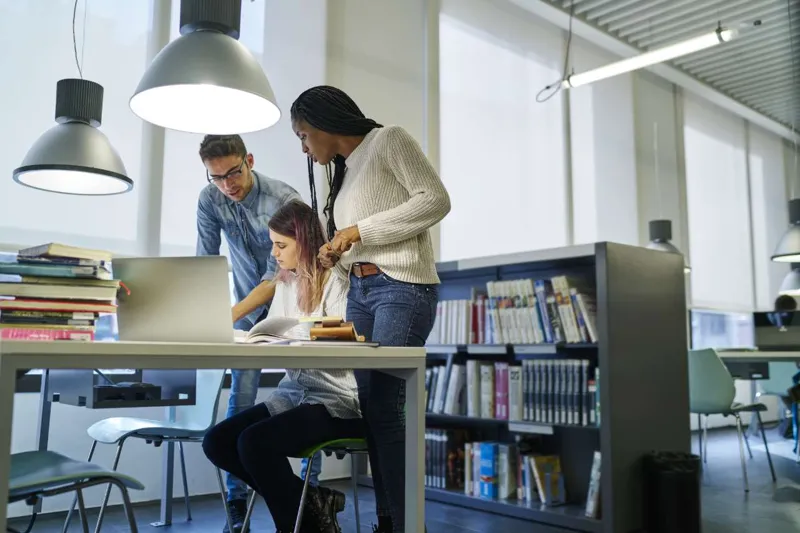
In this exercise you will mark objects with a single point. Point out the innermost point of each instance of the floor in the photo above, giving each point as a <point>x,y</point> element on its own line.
<point>726,508</point>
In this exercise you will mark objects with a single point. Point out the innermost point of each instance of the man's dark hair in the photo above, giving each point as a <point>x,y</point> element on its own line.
<point>331,110</point>
<point>214,146</point>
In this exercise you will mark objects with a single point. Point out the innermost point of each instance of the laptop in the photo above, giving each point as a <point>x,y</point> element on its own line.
<point>174,299</point>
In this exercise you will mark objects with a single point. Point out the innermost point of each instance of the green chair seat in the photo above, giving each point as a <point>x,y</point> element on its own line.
<point>36,472</point>
<point>338,445</point>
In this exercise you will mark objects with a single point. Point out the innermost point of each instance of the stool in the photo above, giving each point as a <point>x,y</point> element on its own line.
<point>339,448</point>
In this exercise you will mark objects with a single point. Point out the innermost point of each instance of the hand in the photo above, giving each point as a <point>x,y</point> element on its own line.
<point>327,257</point>
<point>344,240</point>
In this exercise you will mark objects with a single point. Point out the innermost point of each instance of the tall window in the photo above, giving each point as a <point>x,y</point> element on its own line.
<point>502,153</point>
<point>112,45</point>
<point>718,207</point>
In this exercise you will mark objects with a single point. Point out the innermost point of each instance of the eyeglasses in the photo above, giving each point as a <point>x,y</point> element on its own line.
<point>233,174</point>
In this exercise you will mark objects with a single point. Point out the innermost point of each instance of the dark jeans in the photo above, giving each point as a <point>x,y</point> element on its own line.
<point>255,447</point>
<point>392,313</point>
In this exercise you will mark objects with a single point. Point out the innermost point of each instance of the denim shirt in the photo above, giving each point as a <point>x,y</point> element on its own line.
<point>244,224</point>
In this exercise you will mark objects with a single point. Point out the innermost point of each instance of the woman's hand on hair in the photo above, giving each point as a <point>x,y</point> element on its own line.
<point>327,257</point>
<point>344,240</point>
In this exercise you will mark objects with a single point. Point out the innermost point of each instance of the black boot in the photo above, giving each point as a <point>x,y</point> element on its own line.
<point>237,509</point>
<point>322,506</point>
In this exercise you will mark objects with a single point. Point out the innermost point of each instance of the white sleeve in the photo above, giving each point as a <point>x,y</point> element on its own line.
<point>335,303</point>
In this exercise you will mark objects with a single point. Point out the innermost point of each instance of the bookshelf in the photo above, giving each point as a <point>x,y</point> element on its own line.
<point>640,325</point>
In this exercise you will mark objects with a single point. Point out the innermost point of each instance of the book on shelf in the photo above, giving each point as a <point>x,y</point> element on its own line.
<point>55,292</point>
<point>492,470</point>
<point>545,391</point>
<point>561,309</point>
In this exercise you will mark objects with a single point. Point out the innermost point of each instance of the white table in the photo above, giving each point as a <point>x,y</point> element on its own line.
<point>405,363</point>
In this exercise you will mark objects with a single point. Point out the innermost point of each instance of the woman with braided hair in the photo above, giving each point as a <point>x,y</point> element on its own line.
<point>384,198</point>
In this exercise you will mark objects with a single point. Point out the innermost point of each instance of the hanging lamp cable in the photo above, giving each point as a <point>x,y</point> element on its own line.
<point>75,38</point>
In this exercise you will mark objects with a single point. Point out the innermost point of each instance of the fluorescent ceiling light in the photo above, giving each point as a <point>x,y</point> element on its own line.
<point>206,81</point>
<point>651,58</point>
<point>74,157</point>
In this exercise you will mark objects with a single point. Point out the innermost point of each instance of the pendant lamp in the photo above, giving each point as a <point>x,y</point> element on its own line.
<point>74,157</point>
<point>788,249</point>
<point>660,235</point>
<point>790,285</point>
<point>206,81</point>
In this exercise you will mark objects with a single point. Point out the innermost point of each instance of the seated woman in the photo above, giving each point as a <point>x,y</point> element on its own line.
<point>309,407</point>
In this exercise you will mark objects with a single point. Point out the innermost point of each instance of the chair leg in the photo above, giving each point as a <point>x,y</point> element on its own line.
<point>747,444</point>
<point>303,495</point>
<point>82,511</point>
<point>741,451</point>
<point>354,477</point>
<point>766,448</point>
<point>108,489</point>
<point>75,500</point>
<point>224,499</point>
<point>185,484</point>
<point>126,504</point>
<point>705,439</point>
<point>699,434</point>
<point>249,514</point>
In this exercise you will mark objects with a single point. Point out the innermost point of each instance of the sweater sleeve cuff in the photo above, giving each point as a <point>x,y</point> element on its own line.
<point>369,232</point>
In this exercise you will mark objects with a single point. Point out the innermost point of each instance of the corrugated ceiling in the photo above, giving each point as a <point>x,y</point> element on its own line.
<point>755,69</point>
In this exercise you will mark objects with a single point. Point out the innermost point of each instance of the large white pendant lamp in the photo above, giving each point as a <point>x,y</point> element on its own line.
<point>788,249</point>
<point>660,237</point>
<point>206,81</point>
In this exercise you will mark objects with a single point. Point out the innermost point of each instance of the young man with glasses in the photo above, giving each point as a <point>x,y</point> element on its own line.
<point>239,202</point>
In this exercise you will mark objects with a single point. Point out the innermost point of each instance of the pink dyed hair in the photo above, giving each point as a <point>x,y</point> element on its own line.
<point>298,221</point>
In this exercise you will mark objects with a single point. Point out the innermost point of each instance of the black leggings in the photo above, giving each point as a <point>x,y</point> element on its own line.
<point>255,446</point>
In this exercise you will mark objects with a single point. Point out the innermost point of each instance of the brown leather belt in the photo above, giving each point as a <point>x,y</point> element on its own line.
<point>362,270</point>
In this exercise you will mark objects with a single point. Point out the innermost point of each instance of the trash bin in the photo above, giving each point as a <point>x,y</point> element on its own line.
<point>672,492</point>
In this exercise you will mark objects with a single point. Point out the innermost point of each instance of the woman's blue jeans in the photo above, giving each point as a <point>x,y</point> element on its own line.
<point>392,313</point>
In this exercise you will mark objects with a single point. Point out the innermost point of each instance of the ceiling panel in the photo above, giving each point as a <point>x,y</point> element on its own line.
<point>756,68</point>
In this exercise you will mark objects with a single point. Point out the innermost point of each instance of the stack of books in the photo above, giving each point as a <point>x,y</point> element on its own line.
<point>55,292</point>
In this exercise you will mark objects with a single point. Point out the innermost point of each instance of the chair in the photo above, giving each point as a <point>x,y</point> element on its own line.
<point>711,391</point>
<point>39,474</point>
<point>780,379</point>
<point>190,425</point>
<point>339,448</point>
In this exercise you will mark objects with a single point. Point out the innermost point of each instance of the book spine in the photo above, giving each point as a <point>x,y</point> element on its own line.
<point>36,334</point>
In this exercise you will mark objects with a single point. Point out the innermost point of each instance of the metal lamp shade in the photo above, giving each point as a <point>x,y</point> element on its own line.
<point>790,285</point>
<point>206,82</point>
<point>788,249</point>
<point>660,234</point>
<point>74,157</point>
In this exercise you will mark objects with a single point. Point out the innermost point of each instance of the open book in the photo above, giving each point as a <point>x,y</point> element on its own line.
<point>277,330</point>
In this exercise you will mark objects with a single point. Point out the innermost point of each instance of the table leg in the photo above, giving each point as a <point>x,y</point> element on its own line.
<point>43,428</point>
<point>167,477</point>
<point>8,379</point>
<point>415,431</point>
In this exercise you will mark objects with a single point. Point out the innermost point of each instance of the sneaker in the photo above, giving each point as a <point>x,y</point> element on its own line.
<point>237,510</point>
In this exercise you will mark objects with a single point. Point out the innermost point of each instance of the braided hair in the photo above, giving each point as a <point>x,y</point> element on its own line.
<point>330,110</point>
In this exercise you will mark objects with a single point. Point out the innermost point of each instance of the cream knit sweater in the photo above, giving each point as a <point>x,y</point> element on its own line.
<point>392,192</point>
